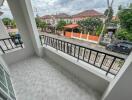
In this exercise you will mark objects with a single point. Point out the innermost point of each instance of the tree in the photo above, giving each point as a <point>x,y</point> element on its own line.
<point>42,25</point>
<point>61,24</point>
<point>130,6</point>
<point>106,19</point>
<point>38,21</point>
<point>125,19</point>
<point>108,12</point>
<point>13,23</point>
<point>6,21</point>
<point>125,16</point>
<point>91,25</point>
<point>120,7</point>
<point>123,34</point>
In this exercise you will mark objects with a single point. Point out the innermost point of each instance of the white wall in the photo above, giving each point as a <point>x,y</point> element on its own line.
<point>23,15</point>
<point>121,87</point>
<point>2,62</point>
<point>17,55</point>
<point>94,81</point>
<point>3,32</point>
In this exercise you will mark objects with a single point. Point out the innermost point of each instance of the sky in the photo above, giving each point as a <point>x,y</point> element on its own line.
<point>44,7</point>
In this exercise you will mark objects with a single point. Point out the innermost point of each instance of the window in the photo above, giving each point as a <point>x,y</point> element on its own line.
<point>5,83</point>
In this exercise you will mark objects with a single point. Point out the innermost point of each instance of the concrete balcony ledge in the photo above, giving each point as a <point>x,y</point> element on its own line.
<point>92,76</point>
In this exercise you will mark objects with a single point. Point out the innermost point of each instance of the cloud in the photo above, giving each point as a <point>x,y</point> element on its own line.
<point>43,7</point>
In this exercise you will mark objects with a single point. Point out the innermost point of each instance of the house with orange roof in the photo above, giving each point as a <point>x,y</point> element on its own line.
<point>86,14</point>
<point>53,19</point>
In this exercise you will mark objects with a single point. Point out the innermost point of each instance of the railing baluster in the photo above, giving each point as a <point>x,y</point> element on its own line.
<point>10,43</point>
<point>40,39</point>
<point>84,53</point>
<point>5,44</point>
<point>89,56</point>
<point>78,53</point>
<point>102,61</point>
<point>74,50</point>
<point>20,42</point>
<point>95,57</point>
<point>110,66</point>
<point>2,49</point>
<point>71,49</point>
<point>64,47</point>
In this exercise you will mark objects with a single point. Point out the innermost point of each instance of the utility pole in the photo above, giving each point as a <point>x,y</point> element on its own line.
<point>109,7</point>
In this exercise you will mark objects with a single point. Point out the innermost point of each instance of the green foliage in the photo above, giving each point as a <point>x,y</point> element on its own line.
<point>130,6</point>
<point>38,21</point>
<point>109,12</point>
<point>125,16</point>
<point>123,34</point>
<point>61,24</point>
<point>13,23</point>
<point>91,25</point>
<point>9,22</point>
<point>6,21</point>
<point>120,7</point>
<point>42,25</point>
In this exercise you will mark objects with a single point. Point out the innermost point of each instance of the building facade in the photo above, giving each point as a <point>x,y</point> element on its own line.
<point>54,19</point>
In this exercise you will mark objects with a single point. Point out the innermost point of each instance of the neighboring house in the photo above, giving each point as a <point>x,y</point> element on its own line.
<point>86,14</point>
<point>53,19</point>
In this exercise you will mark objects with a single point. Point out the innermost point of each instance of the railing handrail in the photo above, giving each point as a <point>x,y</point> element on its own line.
<point>5,39</point>
<point>86,47</point>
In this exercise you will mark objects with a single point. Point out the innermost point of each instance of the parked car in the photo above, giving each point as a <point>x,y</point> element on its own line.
<point>121,47</point>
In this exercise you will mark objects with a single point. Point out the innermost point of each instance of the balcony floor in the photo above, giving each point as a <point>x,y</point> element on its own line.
<point>41,79</point>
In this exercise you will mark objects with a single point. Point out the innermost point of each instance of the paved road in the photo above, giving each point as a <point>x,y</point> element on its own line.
<point>86,44</point>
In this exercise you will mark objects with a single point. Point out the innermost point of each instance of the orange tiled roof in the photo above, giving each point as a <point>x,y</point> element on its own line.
<point>88,13</point>
<point>71,26</point>
<point>61,15</point>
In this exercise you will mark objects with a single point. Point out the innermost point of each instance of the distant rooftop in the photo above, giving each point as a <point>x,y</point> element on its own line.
<point>88,13</point>
<point>60,15</point>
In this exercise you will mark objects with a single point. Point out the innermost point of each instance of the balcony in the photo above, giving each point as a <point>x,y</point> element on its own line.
<point>43,67</point>
<point>64,67</point>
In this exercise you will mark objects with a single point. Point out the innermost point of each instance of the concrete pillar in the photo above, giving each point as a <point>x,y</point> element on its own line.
<point>121,87</point>
<point>23,15</point>
<point>3,32</point>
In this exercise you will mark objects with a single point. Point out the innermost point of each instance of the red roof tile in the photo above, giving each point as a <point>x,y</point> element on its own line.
<point>71,26</point>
